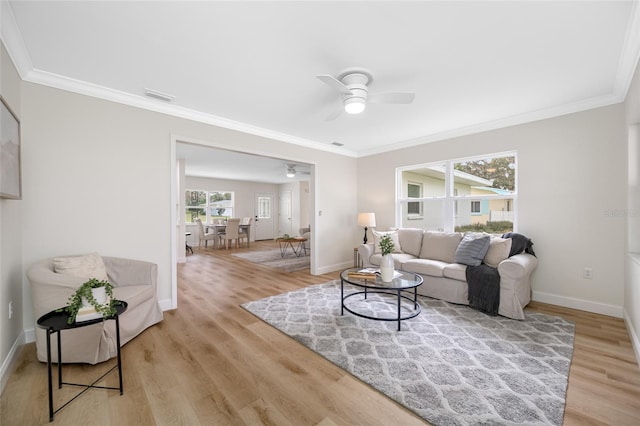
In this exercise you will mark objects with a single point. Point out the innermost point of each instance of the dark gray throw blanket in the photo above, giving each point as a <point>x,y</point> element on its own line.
<point>484,288</point>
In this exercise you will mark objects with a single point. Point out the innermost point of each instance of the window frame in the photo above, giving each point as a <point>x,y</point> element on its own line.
<point>451,198</point>
<point>419,214</point>
<point>207,205</point>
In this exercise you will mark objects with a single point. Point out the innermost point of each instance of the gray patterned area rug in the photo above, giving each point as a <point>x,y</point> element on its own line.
<point>274,259</point>
<point>451,365</point>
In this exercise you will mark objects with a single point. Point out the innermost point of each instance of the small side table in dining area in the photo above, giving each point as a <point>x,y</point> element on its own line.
<point>55,322</point>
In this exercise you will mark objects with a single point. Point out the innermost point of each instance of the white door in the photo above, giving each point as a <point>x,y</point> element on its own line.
<point>284,213</point>
<point>263,221</point>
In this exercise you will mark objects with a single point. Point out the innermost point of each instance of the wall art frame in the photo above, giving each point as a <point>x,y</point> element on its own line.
<point>10,161</point>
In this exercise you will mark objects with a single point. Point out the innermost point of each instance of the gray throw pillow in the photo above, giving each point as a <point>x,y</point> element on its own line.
<point>472,249</point>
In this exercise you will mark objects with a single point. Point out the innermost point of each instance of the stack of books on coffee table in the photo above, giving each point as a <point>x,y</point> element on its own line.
<point>365,274</point>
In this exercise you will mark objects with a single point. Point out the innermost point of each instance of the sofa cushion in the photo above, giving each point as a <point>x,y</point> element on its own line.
<point>499,249</point>
<point>440,245</point>
<point>455,271</point>
<point>86,266</point>
<point>377,235</point>
<point>472,248</point>
<point>411,240</point>
<point>398,259</point>
<point>430,267</point>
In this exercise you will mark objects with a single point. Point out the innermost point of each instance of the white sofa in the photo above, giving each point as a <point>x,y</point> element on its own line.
<point>134,281</point>
<point>431,254</point>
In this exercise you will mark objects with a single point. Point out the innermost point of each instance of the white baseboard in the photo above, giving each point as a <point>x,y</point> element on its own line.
<point>165,305</point>
<point>574,303</point>
<point>635,339</point>
<point>30,335</point>
<point>333,268</point>
<point>8,363</point>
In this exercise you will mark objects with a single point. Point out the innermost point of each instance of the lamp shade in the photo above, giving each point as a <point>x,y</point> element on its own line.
<point>367,219</point>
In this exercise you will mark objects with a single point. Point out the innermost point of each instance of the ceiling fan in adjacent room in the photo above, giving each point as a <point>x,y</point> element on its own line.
<point>353,86</point>
<point>291,171</point>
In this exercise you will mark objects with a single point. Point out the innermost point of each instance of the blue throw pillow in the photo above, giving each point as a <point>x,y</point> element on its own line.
<point>472,249</point>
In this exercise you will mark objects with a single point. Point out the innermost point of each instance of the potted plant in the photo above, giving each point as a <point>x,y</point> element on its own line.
<point>386,264</point>
<point>93,299</point>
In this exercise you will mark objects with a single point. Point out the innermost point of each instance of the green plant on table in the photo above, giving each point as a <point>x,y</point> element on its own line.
<point>84,291</point>
<point>386,245</point>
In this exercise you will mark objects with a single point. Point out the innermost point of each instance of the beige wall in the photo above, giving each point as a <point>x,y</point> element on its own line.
<point>99,174</point>
<point>11,291</point>
<point>572,169</point>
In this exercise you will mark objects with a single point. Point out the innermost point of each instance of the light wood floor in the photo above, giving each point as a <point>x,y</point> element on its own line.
<point>212,363</point>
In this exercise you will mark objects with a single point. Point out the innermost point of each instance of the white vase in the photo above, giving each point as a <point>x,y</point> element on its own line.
<point>386,268</point>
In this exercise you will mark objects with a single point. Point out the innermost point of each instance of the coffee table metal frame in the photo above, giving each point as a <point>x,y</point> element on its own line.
<point>404,283</point>
<point>56,321</point>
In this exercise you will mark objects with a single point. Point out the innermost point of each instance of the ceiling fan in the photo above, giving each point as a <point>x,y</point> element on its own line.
<point>352,84</point>
<point>291,171</point>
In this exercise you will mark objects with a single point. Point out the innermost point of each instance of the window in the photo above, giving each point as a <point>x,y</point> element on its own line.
<point>208,205</point>
<point>477,193</point>
<point>264,207</point>
<point>414,208</point>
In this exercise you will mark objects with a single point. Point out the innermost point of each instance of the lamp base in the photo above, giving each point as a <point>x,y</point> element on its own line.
<point>365,236</point>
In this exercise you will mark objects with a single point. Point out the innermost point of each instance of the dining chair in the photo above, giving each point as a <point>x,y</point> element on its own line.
<point>243,232</point>
<point>204,236</point>
<point>231,233</point>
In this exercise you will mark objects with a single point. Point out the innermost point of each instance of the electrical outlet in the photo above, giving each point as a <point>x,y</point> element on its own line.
<point>587,273</point>
<point>10,309</point>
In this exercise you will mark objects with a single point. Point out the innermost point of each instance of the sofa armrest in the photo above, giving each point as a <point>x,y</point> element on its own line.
<point>123,272</point>
<point>365,251</point>
<point>518,266</point>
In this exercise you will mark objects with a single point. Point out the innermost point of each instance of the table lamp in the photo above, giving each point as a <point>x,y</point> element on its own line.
<point>366,220</point>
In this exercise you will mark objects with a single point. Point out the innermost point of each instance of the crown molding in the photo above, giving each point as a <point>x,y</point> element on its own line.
<point>101,92</point>
<point>16,48</point>
<point>515,120</point>
<point>13,41</point>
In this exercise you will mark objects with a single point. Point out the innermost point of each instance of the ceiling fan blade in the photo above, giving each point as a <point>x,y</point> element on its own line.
<point>391,97</point>
<point>334,82</point>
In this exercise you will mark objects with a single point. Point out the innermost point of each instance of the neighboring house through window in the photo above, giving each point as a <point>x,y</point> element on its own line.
<point>414,208</point>
<point>476,193</point>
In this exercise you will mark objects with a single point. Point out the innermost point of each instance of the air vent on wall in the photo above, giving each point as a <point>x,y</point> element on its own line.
<point>158,95</point>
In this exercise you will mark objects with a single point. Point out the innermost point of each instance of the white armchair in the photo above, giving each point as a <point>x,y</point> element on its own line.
<point>306,233</point>
<point>133,281</point>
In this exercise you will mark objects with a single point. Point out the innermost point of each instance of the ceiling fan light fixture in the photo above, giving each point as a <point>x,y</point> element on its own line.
<point>354,105</point>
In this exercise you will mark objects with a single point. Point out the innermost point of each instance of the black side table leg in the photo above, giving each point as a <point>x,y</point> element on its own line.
<point>49,372</point>
<point>59,360</point>
<point>119,357</point>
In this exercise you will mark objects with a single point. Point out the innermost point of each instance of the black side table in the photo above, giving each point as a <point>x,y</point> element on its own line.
<point>55,322</point>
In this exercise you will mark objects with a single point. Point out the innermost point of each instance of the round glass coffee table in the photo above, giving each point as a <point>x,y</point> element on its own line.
<point>404,282</point>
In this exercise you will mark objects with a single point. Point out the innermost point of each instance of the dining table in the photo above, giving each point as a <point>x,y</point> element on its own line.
<point>220,228</point>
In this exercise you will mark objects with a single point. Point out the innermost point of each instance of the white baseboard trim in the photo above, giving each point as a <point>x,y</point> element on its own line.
<point>165,305</point>
<point>574,303</point>
<point>30,335</point>
<point>333,268</point>
<point>9,361</point>
<point>635,339</point>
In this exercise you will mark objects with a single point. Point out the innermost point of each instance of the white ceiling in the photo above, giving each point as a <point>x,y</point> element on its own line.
<point>473,65</point>
<point>203,161</point>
